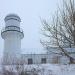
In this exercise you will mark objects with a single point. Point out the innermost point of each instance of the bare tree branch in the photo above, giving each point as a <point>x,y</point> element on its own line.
<point>62,28</point>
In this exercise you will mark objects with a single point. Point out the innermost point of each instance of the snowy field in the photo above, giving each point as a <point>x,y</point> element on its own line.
<point>44,69</point>
<point>53,69</point>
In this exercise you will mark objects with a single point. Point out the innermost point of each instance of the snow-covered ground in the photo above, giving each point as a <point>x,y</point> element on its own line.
<point>53,69</point>
<point>46,69</point>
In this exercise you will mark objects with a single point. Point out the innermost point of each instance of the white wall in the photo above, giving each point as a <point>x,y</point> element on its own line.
<point>36,58</point>
<point>12,46</point>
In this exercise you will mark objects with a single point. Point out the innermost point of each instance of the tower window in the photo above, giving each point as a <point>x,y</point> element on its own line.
<point>43,60</point>
<point>30,61</point>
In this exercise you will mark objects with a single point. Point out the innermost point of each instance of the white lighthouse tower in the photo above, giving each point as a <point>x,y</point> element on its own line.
<point>12,35</point>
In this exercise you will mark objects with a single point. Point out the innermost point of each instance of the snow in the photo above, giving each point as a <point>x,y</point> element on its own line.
<point>33,51</point>
<point>46,69</point>
<point>53,69</point>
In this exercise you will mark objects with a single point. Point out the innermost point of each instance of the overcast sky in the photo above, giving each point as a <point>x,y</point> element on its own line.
<point>30,12</point>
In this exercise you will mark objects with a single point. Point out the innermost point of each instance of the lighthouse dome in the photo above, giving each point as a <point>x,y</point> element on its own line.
<point>12,20</point>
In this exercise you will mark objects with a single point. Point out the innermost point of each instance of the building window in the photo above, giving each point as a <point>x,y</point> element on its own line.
<point>30,61</point>
<point>43,60</point>
<point>55,59</point>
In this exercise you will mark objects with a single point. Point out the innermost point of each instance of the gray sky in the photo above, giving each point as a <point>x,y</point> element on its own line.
<point>30,12</point>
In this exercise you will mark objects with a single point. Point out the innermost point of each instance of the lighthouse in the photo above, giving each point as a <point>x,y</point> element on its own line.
<point>12,35</point>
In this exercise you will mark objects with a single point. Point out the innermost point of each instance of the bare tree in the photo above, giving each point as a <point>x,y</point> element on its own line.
<point>61,29</point>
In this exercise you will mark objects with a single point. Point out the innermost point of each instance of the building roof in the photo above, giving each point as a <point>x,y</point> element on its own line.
<point>54,50</point>
<point>34,51</point>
